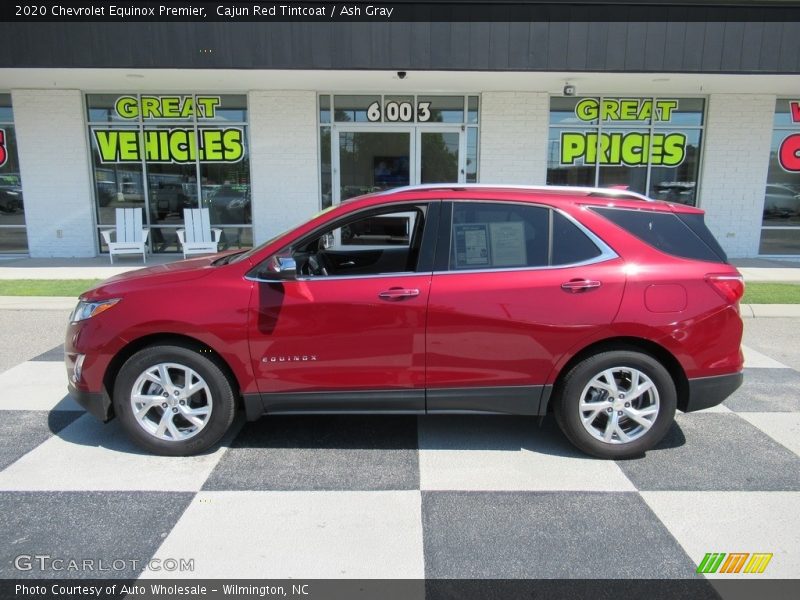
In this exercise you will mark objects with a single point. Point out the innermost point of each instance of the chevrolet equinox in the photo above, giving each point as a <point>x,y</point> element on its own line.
<point>603,307</point>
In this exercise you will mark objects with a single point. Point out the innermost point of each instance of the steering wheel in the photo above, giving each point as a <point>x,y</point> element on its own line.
<point>314,267</point>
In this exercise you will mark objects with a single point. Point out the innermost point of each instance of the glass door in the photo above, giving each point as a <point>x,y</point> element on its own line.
<point>440,158</point>
<point>371,160</point>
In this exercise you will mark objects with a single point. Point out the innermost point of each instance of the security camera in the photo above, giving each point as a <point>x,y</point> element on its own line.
<point>569,90</point>
<point>401,74</point>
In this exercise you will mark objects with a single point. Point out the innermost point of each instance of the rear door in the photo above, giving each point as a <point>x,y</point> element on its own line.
<point>515,287</point>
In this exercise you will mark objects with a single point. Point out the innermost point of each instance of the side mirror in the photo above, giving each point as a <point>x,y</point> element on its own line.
<point>278,267</point>
<point>287,267</point>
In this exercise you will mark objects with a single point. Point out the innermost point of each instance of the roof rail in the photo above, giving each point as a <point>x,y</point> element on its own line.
<point>593,191</point>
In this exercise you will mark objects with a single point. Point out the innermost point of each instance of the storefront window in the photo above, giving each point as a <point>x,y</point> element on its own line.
<point>647,145</point>
<point>780,232</point>
<point>13,235</point>
<point>168,153</point>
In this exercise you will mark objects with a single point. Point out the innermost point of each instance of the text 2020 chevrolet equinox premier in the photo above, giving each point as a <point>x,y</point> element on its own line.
<point>603,307</point>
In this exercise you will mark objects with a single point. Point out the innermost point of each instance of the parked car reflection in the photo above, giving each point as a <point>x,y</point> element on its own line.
<point>10,194</point>
<point>781,201</point>
<point>230,204</point>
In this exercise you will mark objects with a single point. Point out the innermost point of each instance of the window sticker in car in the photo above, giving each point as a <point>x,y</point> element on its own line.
<point>508,244</point>
<point>472,245</point>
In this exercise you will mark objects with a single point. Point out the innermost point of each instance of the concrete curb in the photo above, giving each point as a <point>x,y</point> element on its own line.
<point>37,302</point>
<point>770,310</point>
<point>749,311</point>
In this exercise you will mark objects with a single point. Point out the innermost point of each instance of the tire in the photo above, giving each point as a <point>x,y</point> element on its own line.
<point>585,394</point>
<point>199,416</point>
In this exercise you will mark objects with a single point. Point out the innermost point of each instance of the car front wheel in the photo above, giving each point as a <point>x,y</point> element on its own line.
<point>616,404</point>
<point>173,401</point>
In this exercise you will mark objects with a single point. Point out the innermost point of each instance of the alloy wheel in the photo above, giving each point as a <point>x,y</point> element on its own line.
<point>619,405</point>
<point>171,402</point>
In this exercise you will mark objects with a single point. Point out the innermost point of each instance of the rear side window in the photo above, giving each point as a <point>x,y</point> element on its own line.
<point>496,236</point>
<point>570,244</point>
<point>664,231</point>
<point>697,224</point>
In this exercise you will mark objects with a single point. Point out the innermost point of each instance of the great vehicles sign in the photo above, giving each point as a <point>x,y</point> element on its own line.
<point>631,148</point>
<point>159,144</point>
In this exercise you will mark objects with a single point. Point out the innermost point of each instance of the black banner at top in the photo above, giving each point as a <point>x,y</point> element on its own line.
<point>395,12</point>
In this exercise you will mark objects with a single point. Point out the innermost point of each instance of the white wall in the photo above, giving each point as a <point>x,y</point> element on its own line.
<point>513,137</point>
<point>54,166</point>
<point>284,163</point>
<point>734,172</point>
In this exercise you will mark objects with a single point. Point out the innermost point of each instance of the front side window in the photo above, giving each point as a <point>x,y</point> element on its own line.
<point>374,243</point>
<point>649,145</point>
<point>170,152</point>
<point>780,226</point>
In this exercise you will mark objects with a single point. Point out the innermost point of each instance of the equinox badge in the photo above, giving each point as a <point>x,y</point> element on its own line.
<point>294,358</point>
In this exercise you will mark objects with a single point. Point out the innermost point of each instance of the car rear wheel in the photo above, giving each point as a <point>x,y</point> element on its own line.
<point>616,404</point>
<point>173,401</point>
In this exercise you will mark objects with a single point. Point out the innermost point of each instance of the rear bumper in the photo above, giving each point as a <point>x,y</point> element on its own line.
<point>705,392</point>
<point>97,404</point>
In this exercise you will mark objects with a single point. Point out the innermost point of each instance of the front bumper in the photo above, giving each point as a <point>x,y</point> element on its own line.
<point>97,404</point>
<point>705,392</point>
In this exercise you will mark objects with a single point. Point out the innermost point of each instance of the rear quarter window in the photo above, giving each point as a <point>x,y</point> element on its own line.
<point>570,244</point>
<point>664,231</point>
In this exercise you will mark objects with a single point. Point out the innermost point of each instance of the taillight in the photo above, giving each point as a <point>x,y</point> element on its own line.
<point>730,287</point>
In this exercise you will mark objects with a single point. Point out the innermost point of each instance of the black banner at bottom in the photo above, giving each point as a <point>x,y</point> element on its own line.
<point>400,589</point>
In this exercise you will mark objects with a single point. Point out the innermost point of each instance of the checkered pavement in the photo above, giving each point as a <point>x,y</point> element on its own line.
<point>401,496</point>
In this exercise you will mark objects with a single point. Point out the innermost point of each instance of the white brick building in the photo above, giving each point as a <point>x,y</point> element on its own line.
<point>312,138</point>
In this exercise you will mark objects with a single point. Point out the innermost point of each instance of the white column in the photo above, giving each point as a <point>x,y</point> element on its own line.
<point>513,137</point>
<point>284,160</point>
<point>54,167</point>
<point>734,172</point>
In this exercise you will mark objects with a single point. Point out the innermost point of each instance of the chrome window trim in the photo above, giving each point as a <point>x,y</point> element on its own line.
<point>606,254</point>
<point>341,277</point>
<point>595,260</point>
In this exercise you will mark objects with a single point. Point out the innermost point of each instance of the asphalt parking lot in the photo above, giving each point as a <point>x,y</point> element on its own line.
<point>398,497</point>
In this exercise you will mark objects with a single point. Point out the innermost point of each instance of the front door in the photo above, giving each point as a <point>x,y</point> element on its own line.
<point>370,159</point>
<point>349,330</point>
<point>440,155</point>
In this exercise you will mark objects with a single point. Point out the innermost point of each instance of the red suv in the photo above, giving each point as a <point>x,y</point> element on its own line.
<point>603,307</point>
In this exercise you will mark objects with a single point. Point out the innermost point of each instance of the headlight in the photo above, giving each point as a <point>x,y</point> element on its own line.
<point>87,310</point>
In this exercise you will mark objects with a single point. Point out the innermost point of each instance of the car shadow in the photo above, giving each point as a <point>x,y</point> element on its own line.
<point>85,430</point>
<point>366,432</point>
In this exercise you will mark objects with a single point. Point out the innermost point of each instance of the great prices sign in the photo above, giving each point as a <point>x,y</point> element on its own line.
<point>168,145</point>
<point>789,151</point>
<point>616,148</point>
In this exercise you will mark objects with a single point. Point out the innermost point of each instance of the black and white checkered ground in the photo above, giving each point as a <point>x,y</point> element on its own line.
<point>400,496</point>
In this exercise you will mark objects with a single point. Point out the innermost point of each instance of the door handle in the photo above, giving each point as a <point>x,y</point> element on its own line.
<point>576,286</point>
<point>398,293</point>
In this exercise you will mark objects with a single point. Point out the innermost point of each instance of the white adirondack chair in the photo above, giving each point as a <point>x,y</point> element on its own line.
<point>198,237</point>
<point>129,236</point>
